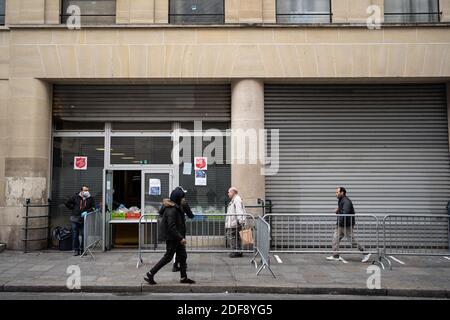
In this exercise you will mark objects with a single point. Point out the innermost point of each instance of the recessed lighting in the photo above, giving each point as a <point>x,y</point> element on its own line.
<point>117,154</point>
<point>127,158</point>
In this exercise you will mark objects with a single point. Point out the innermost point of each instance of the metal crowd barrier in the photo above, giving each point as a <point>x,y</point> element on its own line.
<point>92,231</point>
<point>205,233</point>
<point>313,233</point>
<point>263,245</point>
<point>415,235</point>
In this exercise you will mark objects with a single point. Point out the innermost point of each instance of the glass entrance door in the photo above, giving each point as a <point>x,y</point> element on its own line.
<point>156,186</point>
<point>107,208</point>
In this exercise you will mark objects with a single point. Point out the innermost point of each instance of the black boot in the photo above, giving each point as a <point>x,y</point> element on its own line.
<point>149,278</point>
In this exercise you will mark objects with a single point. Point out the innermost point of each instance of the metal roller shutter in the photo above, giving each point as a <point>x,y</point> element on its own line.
<point>142,102</point>
<point>387,144</point>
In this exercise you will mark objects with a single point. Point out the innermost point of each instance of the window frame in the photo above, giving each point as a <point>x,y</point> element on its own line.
<point>277,15</point>
<point>63,13</point>
<point>438,14</point>
<point>170,15</point>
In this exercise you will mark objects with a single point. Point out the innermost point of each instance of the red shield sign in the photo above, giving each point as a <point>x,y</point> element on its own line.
<point>80,163</point>
<point>200,163</point>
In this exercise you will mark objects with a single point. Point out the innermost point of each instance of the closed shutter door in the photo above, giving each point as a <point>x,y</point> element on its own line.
<point>142,102</point>
<point>386,144</point>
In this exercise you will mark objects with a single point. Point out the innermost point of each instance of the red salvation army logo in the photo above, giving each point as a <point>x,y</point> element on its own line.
<point>200,163</point>
<point>80,163</point>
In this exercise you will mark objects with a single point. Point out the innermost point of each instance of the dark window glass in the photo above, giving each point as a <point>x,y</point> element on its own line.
<point>303,11</point>
<point>196,12</point>
<point>411,11</point>
<point>141,150</point>
<point>142,126</point>
<point>212,197</point>
<point>79,126</point>
<point>2,12</point>
<point>92,12</point>
<point>67,181</point>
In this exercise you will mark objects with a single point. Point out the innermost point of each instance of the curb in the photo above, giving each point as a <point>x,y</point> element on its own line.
<point>144,288</point>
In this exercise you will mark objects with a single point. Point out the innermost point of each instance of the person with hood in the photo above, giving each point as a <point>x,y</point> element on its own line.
<point>172,229</point>
<point>81,203</point>
<point>187,210</point>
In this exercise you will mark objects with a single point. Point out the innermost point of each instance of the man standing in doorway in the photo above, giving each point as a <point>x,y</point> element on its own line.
<point>80,204</point>
<point>345,225</point>
<point>234,222</point>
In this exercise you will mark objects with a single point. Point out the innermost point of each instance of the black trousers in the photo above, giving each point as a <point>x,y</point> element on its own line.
<point>172,247</point>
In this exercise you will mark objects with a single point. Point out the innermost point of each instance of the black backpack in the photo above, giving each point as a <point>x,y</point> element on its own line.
<point>162,224</point>
<point>62,233</point>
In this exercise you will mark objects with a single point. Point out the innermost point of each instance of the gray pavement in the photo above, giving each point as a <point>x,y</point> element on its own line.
<point>116,272</point>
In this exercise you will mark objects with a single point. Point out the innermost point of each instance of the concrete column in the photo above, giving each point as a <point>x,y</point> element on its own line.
<point>247,118</point>
<point>444,5</point>
<point>25,11</point>
<point>353,11</point>
<point>244,11</point>
<point>26,158</point>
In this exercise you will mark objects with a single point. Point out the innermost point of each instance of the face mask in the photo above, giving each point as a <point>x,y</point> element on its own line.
<point>86,194</point>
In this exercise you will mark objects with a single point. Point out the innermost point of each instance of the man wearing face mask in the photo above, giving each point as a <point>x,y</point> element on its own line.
<point>80,204</point>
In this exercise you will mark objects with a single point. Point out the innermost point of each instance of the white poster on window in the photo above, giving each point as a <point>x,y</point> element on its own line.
<point>200,177</point>
<point>187,169</point>
<point>154,188</point>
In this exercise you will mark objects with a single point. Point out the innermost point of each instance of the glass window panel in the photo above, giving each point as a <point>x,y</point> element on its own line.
<point>196,11</point>
<point>2,12</point>
<point>92,12</point>
<point>303,11</point>
<point>141,150</point>
<point>411,11</point>
<point>211,198</point>
<point>67,181</point>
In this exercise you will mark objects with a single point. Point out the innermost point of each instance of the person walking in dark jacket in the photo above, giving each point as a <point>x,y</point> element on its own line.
<point>172,229</point>
<point>79,204</point>
<point>187,210</point>
<point>345,225</point>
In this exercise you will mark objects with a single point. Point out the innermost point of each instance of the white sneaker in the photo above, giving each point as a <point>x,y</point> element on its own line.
<point>343,260</point>
<point>366,258</point>
<point>333,258</point>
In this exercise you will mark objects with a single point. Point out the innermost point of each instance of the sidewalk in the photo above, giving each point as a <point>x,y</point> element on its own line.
<point>116,271</point>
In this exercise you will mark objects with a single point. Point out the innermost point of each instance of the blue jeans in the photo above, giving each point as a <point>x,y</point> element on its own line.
<point>77,230</point>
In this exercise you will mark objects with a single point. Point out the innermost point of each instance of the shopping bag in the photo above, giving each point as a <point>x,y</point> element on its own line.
<point>246,237</point>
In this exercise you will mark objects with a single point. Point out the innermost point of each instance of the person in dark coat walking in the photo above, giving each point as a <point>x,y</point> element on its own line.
<point>172,229</point>
<point>187,210</point>
<point>345,225</point>
<point>79,203</point>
